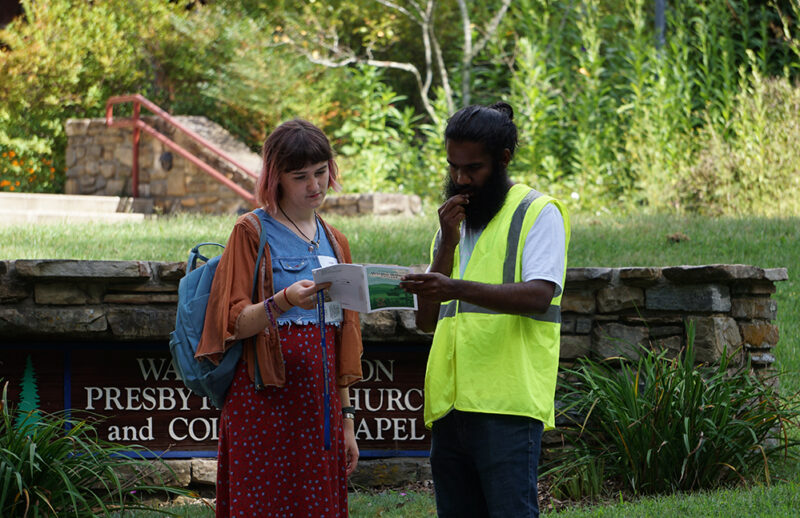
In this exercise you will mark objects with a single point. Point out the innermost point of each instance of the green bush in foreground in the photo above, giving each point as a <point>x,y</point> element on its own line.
<point>657,424</point>
<point>57,466</point>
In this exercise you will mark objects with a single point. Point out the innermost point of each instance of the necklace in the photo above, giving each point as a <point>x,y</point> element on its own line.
<point>314,243</point>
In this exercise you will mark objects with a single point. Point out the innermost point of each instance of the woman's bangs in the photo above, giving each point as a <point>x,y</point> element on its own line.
<point>309,151</point>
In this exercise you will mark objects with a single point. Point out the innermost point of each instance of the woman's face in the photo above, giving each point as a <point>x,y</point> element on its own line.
<point>304,188</point>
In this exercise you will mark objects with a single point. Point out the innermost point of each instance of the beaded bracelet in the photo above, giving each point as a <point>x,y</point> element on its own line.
<point>268,310</point>
<point>276,309</point>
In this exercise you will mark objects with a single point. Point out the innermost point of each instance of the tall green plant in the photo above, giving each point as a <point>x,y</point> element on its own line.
<point>540,89</point>
<point>593,107</point>
<point>610,119</point>
<point>753,168</point>
<point>54,465</point>
<point>539,105</point>
<point>564,88</point>
<point>660,424</point>
<point>655,107</point>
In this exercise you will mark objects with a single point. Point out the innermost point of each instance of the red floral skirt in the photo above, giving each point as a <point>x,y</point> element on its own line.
<point>272,460</point>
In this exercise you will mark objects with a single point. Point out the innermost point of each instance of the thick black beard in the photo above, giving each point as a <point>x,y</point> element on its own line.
<point>485,202</point>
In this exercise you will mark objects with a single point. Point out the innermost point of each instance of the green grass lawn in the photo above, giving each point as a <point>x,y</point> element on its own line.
<point>778,501</point>
<point>637,240</point>
<point>781,500</point>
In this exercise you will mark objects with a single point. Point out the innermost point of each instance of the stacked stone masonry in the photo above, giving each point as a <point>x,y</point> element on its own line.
<point>100,158</point>
<point>605,313</point>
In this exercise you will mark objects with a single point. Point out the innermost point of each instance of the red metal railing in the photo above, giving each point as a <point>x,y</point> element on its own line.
<point>139,125</point>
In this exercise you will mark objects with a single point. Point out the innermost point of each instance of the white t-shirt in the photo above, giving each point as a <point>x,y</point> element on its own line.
<point>543,254</point>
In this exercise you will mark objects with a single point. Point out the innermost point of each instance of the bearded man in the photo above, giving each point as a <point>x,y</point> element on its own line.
<point>492,297</point>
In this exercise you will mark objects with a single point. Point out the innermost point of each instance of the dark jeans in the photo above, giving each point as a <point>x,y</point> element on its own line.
<point>486,465</point>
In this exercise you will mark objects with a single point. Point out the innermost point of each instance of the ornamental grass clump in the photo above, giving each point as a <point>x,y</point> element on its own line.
<point>55,465</point>
<point>656,424</point>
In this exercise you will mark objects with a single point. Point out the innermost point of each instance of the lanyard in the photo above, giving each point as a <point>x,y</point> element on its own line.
<point>326,394</point>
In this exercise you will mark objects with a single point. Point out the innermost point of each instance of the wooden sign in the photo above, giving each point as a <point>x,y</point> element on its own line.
<point>389,400</point>
<point>137,397</point>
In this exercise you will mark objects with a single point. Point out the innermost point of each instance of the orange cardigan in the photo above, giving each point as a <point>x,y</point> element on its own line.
<point>230,294</point>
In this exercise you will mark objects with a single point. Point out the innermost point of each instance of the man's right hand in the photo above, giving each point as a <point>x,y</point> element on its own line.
<point>451,214</point>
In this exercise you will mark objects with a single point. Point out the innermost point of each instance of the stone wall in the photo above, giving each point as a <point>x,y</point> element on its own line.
<point>100,158</point>
<point>372,203</point>
<point>605,312</point>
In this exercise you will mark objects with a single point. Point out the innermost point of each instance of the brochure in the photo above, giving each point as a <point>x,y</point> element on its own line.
<point>366,287</point>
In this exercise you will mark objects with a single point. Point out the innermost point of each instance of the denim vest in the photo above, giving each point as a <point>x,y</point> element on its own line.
<point>293,259</point>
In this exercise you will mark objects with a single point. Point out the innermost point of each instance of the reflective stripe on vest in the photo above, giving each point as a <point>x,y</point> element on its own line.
<point>553,313</point>
<point>510,264</point>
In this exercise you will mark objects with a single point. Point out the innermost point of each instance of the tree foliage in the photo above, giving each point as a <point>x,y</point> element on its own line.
<point>65,58</point>
<point>609,118</point>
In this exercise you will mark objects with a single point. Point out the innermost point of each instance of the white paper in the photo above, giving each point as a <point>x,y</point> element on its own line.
<point>348,285</point>
<point>327,260</point>
<point>366,288</point>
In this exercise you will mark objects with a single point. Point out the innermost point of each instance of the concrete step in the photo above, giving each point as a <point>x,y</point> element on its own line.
<point>17,217</point>
<point>18,208</point>
<point>65,202</point>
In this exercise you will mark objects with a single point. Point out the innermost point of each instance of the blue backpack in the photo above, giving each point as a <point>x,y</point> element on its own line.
<point>201,376</point>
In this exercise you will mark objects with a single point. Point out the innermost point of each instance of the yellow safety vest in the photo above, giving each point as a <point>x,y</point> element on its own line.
<point>485,361</point>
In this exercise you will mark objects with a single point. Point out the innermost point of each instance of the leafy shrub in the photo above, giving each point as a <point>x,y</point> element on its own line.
<point>376,140</point>
<point>54,465</point>
<point>427,177</point>
<point>656,424</point>
<point>383,147</point>
<point>755,167</point>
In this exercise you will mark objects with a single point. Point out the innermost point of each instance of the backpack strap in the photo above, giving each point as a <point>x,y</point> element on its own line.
<point>259,383</point>
<point>195,255</point>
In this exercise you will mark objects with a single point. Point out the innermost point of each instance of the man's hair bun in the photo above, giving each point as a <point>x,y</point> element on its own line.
<point>505,108</point>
